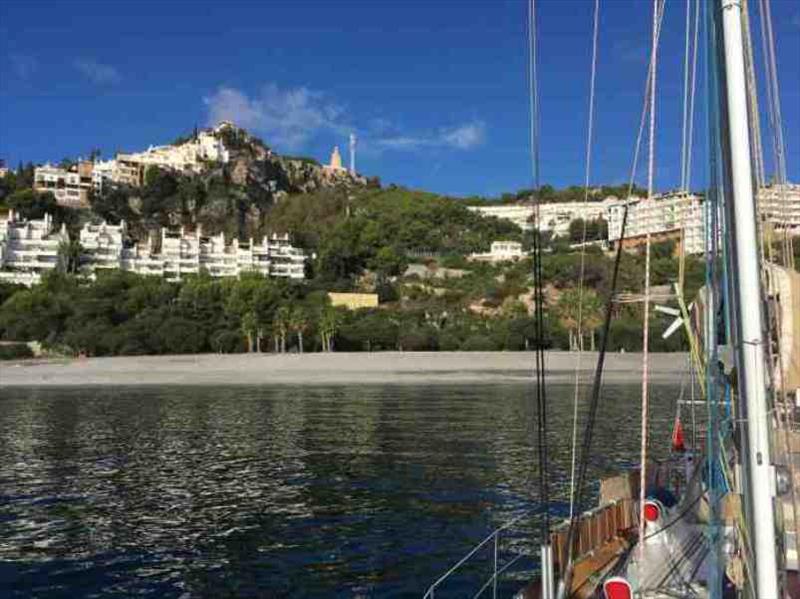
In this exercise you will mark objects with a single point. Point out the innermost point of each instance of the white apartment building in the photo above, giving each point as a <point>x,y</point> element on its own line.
<point>103,172</point>
<point>190,156</point>
<point>103,245</point>
<point>780,205</point>
<point>28,248</point>
<point>190,253</point>
<point>501,251</point>
<point>519,214</point>
<point>663,217</point>
<point>70,186</point>
<point>555,217</point>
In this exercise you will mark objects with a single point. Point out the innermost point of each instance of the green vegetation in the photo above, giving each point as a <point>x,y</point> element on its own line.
<point>596,230</point>
<point>15,351</point>
<point>480,307</point>
<point>382,230</point>
<point>169,199</point>
<point>16,181</point>
<point>362,239</point>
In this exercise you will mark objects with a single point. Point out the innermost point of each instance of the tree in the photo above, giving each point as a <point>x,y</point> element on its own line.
<point>592,314</point>
<point>159,194</point>
<point>113,204</point>
<point>388,262</point>
<point>283,319</point>
<point>298,323</point>
<point>329,322</point>
<point>25,175</point>
<point>572,310</point>
<point>181,336</point>
<point>424,338</point>
<point>663,249</point>
<point>30,204</point>
<point>576,230</point>
<point>250,328</point>
<point>69,256</point>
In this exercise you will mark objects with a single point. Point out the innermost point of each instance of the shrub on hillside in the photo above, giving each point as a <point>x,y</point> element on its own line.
<point>478,343</point>
<point>16,351</point>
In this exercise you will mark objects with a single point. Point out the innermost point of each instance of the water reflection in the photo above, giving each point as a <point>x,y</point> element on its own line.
<point>281,491</point>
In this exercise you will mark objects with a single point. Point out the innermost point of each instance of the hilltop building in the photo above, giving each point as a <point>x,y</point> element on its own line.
<point>3,169</point>
<point>669,216</point>
<point>501,251</point>
<point>70,185</point>
<point>29,248</point>
<point>519,214</point>
<point>554,218</point>
<point>191,156</point>
<point>780,206</point>
<point>665,216</point>
<point>103,173</point>
<point>335,163</point>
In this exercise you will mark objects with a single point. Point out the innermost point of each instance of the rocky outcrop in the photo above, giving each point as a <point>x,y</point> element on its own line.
<point>254,164</point>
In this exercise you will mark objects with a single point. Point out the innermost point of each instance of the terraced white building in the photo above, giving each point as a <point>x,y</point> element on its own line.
<point>29,248</point>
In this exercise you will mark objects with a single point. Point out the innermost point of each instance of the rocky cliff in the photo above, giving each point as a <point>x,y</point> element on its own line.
<point>234,196</point>
<point>252,163</point>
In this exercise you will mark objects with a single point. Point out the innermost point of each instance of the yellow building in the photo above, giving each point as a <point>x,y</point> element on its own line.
<point>354,301</point>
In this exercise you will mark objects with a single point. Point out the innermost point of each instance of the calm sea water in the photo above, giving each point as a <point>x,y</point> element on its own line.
<point>363,491</point>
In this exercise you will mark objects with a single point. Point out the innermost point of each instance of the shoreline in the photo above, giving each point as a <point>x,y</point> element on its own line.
<point>403,368</point>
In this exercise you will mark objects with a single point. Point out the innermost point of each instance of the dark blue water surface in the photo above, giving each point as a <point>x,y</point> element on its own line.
<point>362,491</point>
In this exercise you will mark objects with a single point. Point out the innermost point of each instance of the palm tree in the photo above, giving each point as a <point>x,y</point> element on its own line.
<point>567,310</point>
<point>282,322</point>
<point>592,313</point>
<point>298,322</point>
<point>69,256</point>
<point>582,310</point>
<point>249,327</point>
<point>329,322</point>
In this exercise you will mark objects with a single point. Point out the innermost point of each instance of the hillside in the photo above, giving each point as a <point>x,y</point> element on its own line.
<point>409,247</point>
<point>233,197</point>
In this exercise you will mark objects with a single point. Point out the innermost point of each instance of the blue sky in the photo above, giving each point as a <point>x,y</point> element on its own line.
<point>435,90</point>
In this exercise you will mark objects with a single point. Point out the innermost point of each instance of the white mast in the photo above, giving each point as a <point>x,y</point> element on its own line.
<point>747,286</point>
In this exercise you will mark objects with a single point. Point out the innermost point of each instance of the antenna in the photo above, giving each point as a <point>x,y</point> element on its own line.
<point>352,153</point>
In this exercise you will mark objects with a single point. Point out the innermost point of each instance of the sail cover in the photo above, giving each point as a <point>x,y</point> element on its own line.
<point>784,292</point>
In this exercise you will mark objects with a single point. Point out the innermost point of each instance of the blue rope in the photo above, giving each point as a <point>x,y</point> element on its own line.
<point>715,480</point>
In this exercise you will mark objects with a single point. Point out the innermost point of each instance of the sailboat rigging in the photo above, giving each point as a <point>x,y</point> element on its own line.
<point>712,522</point>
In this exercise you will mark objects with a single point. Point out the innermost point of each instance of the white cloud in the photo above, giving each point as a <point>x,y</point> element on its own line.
<point>289,118</point>
<point>463,137</point>
<point>100,74</point>
<point>24,66</point>
<point>286,117</point>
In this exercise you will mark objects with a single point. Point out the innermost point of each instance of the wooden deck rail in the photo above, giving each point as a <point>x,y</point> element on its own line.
<point>595,528</point>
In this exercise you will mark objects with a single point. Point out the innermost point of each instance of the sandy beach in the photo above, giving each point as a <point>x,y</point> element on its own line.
<point>335,368</point>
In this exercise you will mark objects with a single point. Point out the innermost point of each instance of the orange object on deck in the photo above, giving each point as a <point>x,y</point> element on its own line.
<point>678,442</point>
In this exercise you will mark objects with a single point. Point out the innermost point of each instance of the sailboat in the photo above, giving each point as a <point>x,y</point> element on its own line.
<point>719,518</point>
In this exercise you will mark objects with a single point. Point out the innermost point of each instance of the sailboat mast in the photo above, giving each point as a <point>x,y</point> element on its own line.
<point>752,382</point>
